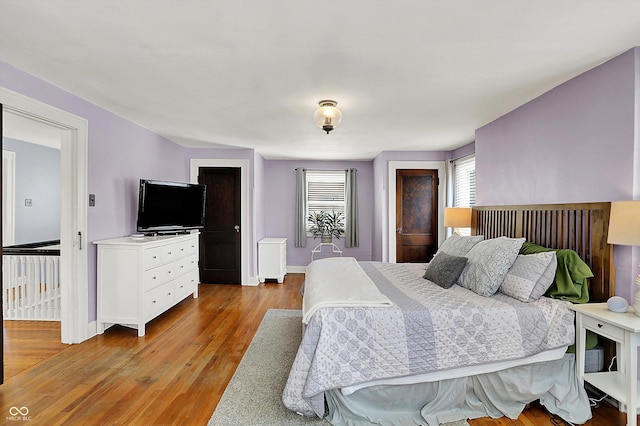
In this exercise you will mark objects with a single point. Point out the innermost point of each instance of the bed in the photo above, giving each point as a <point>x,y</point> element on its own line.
<point>386,346</point>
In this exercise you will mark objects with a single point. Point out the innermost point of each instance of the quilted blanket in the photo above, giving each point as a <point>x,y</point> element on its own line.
<point>426,329</point>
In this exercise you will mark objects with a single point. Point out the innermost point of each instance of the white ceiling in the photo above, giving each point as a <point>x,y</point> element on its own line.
<point>408,75</point>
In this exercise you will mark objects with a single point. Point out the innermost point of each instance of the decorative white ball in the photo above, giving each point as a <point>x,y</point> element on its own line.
<point>617,304</point>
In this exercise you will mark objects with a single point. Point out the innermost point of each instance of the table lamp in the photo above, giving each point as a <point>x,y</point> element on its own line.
<point>624,229</point>
<point>457,217</point>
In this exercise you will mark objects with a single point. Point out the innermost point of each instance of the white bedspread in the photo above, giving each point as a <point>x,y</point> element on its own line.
<point>320,290</point>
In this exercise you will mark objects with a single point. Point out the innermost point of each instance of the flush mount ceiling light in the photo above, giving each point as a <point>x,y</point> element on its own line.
<point>327,116</point>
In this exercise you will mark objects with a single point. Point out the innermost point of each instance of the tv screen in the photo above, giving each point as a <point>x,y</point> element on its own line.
<point>165,207</point>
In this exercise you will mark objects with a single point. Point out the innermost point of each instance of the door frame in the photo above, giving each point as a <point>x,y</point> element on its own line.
<point>9,194</point>
<point>74,300</point>
<point>391,190</point>
<point>195,165</point>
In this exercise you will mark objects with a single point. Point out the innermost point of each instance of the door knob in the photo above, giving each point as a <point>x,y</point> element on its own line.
<point>237,228</point>
<point>399,230</point>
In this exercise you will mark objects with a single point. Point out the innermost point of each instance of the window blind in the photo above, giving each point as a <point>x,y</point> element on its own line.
<point>464,174</point>
<point>325,191</point>
<point>464,186</point>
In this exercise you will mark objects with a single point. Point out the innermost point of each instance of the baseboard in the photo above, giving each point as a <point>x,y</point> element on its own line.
<point>252,282</point>
<point>296,269</point>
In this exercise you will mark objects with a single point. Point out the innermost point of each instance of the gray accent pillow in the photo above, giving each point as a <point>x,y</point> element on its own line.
<point>445,269</point>
<point>489,262</point>
<point>530,276</point>
<point>457,245</point>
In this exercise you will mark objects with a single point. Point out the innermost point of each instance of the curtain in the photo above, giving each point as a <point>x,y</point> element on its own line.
<point>351,207</point>
<point>301,208</point>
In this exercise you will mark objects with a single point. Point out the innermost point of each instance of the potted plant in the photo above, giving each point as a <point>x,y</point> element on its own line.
<point>326,225</point>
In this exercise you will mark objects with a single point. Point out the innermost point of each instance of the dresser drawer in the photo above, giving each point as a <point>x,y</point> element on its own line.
<point>186,285</point>
<point>185,265</point>
<point>169,252</point>
<point>603,329</point>
<point>186,248</point>
<point>158,276</point>
<point>158,299</point>
<point>152,257</point>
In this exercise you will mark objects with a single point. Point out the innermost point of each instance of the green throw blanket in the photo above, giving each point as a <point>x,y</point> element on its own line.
<point>571,274</point>
<point>570,283</point>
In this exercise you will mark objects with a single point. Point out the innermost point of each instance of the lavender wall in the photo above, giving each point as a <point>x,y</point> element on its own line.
<point>575,143</point>
<point>280,199</point>
<point>120,153</point>
<point>463,151</point>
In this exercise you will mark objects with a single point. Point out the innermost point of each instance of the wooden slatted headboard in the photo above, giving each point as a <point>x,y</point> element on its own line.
<point>581,227</point>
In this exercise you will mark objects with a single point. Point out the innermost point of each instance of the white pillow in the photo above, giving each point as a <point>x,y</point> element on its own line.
<point>457,245</point>
<point>488,264</point>
<point>530,276</point>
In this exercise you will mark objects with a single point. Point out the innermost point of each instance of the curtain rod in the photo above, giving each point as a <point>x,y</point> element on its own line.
<point>325,170</point>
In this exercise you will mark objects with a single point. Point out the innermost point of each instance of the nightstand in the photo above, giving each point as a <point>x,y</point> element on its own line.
<point>272,259</point>
<point>624,329</point>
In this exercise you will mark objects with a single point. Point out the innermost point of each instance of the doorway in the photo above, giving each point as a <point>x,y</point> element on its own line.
<point>416,215</point>
<point>73,132</point>
<point>389,239</point>
<point>220,240</point>
<point>247,252</point>
<point>31,226</point>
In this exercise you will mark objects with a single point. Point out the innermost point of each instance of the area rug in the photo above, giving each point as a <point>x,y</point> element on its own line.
<point>254,394</point>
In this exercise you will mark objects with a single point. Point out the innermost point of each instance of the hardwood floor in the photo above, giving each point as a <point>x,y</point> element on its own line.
<point>175,374</point>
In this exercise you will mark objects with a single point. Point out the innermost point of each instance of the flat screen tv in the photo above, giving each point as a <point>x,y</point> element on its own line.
<point>170,207</point>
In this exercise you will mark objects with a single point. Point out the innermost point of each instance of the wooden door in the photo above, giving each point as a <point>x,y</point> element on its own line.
<point>416,215</point>
<point>220,241</point>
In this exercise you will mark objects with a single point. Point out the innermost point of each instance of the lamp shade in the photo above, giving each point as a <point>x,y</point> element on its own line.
<point>457,217</point>
<point>624,223</point>
<point>327,116</point>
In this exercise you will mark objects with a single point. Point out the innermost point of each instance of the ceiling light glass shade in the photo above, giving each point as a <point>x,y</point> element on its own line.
<point>327,116</point>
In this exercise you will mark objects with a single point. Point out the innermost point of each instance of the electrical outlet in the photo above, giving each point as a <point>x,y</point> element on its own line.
<point>92,200</point>
<point>28,202</point>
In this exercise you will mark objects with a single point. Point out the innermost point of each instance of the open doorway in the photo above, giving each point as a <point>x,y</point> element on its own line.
<point>31,219</point>
<point>73,131</point>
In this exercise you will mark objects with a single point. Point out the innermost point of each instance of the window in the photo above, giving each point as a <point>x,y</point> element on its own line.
<point>325,191</point>
<point>464,185</point>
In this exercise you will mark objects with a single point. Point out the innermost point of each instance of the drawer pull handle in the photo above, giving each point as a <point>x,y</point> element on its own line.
<point>600,325</point>
<point>154,278</point>
<point>155,257</point>
<point>169,253</point>
<point>154,301</point>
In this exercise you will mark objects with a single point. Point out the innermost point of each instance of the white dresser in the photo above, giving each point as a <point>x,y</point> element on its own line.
<point>272,259</point>
<point>138,279</point>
